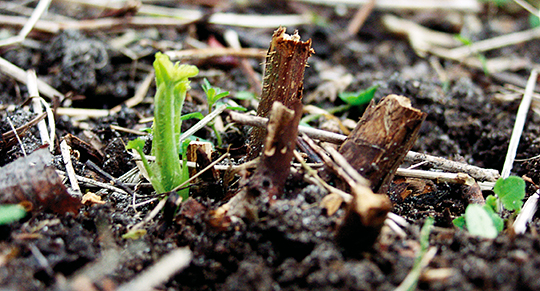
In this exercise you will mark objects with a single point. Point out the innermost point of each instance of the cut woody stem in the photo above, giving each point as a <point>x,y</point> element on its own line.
<point>283,79</point>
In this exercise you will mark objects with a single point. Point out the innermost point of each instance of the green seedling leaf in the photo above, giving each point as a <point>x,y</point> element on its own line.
<point>10,213</point>
<point>172,82</point>
<point>462,39</point>
<point>479,222</point>
<point>213,94</point>
<point>196,115</point>
<point>459,222</point>
<point>359,98</point>
<point>138,145</point>
<point>511,191</point>
<point>491,202</point>
<point>245,95</point>
<point>534,21</point>
<point>424,233</point>
<point>235,108</point>
<point>498,222</point>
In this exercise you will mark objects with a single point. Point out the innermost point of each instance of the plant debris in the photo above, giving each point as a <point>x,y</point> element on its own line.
<point>310,193</point>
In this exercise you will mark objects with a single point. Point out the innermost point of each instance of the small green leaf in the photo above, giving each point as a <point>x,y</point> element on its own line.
<point>10,213</point>
<point>479,222</point>
<point>534,21</point>
<point>511,191</point>
<point>459,222</point>
<point>462,39</point>
<point>359,98</point>
<point>424,233</point>
<point>236,108</point>
<point>136,144</point>
<point>221,95</point>
<point>196,115</point>
<point>497,220</point>
<point>245,95</point>
<point>213,94</point>
<point>491,202</point>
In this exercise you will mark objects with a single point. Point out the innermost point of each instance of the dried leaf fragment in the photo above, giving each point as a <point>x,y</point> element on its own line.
<point>91,198</point>
<point>331,203</point>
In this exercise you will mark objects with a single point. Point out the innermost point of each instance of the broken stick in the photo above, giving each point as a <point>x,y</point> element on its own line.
<point>274,166</point>
<point>382,138</point>
<point>283,79</point>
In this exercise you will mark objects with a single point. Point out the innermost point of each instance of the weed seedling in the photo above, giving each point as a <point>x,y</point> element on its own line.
<point>359,99</point>
<point>213,95</point>
<point>172,82</point>
<point>484,220</point>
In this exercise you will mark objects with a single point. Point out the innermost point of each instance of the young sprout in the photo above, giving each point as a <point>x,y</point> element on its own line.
<point>484,220</point>
<point>213,94</point>
<point>172,82</point>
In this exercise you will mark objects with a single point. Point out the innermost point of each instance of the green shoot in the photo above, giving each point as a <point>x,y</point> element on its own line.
<point>245,95</point>
<point>10,213</point>
<point>213,94</point>
<point>196,115</point>
<point>172,82</point>
<point>484,220</point>
<point>138,145</point>
<point>351,99</point>
<point>422,258</point>
<point>359,98</point>
<point>481,57</point>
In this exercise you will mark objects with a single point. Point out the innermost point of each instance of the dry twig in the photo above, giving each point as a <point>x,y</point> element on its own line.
<point>29,25</point>
<point>412,157</point>
<point>461,5</point>
<point>20,75</point>
<point>160,272</point>
<point>518,126</point>
<point>66,155</point>
<point>37,102</point>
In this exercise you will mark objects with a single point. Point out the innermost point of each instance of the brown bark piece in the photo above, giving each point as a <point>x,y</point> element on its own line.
<point>382,138</point>
<point>283,79</point>
<point>266,184</point>
<point>363,222</point>
<point>32,179</point>
<point>274,166</point>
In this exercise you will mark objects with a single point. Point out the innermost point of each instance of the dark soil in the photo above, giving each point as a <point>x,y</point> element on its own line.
<point>290,246</point>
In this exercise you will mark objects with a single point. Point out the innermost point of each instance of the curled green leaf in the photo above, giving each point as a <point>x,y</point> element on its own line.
<point>360,97</point>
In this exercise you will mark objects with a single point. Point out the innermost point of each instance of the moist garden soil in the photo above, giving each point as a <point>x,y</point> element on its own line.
<point>290,246</point>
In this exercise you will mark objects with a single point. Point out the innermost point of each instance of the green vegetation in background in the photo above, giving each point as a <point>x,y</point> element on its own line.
<point>10,213</point>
